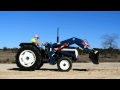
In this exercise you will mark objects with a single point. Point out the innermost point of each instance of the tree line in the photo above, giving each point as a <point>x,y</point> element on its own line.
<point>13,50</point>
<point>110,52</point>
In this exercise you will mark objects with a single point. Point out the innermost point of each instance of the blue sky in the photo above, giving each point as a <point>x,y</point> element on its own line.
<point>21,26</point>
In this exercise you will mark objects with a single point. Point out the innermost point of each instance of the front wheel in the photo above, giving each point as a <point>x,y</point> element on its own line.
<point>64,64</point>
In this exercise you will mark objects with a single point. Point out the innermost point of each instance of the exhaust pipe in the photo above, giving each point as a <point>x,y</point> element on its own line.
<point>94,57</point>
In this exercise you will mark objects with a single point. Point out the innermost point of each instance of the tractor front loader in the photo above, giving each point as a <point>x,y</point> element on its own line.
<point>32,57</point>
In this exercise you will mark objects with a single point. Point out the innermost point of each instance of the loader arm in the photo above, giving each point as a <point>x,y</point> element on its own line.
<point>78,42</point>
<point>93,55</point>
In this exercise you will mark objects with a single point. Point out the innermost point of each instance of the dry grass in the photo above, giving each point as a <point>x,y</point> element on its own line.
<point>8,57</point>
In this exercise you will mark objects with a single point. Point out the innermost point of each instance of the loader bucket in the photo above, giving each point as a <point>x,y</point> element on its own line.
<point>94,57</point>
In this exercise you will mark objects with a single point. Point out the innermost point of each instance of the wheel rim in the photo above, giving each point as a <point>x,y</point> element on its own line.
<point>27,58</point>
<point>64,64</point>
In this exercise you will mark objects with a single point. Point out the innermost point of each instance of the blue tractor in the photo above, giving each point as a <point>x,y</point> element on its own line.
<point>32,57</point>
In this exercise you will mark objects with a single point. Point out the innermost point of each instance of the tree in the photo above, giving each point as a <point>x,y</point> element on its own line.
<point>5,48</point>
<point>110,43</point>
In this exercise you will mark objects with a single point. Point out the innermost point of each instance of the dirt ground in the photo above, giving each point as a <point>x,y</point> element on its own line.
<point>106,70</point>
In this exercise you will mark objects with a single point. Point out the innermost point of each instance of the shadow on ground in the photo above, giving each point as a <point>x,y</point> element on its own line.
<point>46,69</point>
<point>80,69</point>
<point>42,69</point>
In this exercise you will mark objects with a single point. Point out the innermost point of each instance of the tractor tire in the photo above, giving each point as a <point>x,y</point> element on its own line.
<point>64,64</point>
<point>40,65</point>
<point>28,58</point>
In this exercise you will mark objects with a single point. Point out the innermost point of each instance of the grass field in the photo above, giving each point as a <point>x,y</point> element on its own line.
<point>8,57</point>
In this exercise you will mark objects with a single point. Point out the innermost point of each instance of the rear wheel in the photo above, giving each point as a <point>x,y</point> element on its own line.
<point>28,58</point>
<point>40,65</point>
<point>64,64</point>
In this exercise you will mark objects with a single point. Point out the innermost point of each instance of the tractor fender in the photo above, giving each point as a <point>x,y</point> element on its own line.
<point>32,44</point>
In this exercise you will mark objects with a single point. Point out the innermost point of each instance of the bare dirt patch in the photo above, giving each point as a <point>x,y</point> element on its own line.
<point>104,70</point>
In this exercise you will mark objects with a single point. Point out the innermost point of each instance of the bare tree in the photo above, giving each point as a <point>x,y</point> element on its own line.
<point>110,43</point>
